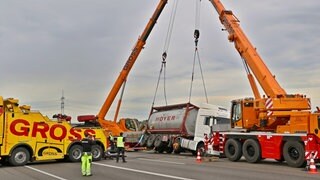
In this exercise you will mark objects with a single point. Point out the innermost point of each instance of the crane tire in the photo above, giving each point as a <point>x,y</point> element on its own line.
<point>251,151</point>
<point>294,154</point>
<point>233,149</point>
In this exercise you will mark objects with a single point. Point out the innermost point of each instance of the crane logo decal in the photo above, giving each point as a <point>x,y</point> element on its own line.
<point>269,105</point>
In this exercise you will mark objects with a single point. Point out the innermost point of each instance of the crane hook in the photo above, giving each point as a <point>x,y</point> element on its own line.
<point>196,36</point>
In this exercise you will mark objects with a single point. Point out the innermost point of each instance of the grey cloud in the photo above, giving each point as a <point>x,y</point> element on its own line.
<point>80,46</point>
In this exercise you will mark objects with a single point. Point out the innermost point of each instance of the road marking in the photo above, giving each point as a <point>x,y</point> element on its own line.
<point>43,172</point>
<point>144,159</point>
<point>144,172</point>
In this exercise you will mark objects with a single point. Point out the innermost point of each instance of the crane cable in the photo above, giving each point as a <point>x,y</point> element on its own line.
<point>164,54</point>
<point>196,52</point>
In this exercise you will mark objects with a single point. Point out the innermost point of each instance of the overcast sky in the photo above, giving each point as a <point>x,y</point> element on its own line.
<point>80,46</point>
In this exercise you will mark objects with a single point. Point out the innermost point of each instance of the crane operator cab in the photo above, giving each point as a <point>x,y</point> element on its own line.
<point>243,114</point>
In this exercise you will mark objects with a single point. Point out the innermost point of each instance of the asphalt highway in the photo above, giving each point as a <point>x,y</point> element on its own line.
<point>151,166</point>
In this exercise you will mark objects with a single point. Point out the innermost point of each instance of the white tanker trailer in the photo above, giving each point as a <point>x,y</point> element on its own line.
<point>181,127</point>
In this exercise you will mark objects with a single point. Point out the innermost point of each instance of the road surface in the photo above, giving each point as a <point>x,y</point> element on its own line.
<point>151,166</point>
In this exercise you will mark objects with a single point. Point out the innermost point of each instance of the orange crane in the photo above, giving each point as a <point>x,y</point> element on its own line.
<point>277,125</point>
<point>109,125</point>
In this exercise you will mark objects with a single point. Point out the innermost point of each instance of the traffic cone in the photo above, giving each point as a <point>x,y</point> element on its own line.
<point>198,157</point>
<point>312,167</point>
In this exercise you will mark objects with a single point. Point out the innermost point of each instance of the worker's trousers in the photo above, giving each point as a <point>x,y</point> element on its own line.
<point>120,150</point>
<point>86,160</point>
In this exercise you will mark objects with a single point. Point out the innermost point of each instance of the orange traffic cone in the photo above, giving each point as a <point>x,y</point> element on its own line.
<point>312,167</point>
<point>198,157</point>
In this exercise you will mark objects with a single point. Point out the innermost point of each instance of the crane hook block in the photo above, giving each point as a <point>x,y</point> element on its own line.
<point>164,56</point>
<point>196,34</point>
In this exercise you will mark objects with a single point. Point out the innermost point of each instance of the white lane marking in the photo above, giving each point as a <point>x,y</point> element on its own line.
<point>43,172</point>
<point>170,162</point>
<point>144,172</point>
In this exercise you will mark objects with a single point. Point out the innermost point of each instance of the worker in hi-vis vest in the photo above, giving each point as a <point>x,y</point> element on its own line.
<point>86,158</point>
<point>120,147</point>
<point>111,139</point>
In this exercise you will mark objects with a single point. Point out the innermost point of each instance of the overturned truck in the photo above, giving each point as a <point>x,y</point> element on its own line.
<point>182,127</point>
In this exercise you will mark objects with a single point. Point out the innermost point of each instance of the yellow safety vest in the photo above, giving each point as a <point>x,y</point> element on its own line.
<point>120,142</point>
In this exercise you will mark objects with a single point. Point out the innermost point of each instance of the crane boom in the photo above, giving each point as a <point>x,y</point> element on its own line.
<point>278,109</point>
<point>275,93</point>
<point>131,60</point>
<point>246,50</point>
<point>275,125</point>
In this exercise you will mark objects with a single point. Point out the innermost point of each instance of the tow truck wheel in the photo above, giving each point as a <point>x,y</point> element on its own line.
<point>19,157</point>
<point>233,150</point>
<point>96,153</point>
<point>251,151</point>
<point>75,153</point>
<point>293,154</point>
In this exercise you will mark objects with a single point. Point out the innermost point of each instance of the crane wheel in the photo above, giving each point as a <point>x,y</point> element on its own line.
<point>293,154</point>
<point>233,149</point>
<point>251,151</point>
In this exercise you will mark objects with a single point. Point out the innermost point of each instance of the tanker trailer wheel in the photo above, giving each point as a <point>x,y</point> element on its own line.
<point>233,149</point>
<point>158,144</point>
<point>293,154</point>
<point>144,140</point>
<point>19,157</point>
<point>251,151</point>
<point>150,141</point>
<point>169,146</point>
<point>75,153</point>
<point>96,153</point>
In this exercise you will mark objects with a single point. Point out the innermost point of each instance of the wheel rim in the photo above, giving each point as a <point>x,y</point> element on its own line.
<point>294,153</point>
<point>76,154</point>
<point>96,153</point>
<point>231,149</point>
<point>158,141</point>
<point>20,157</point>
<point>250,151</point>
